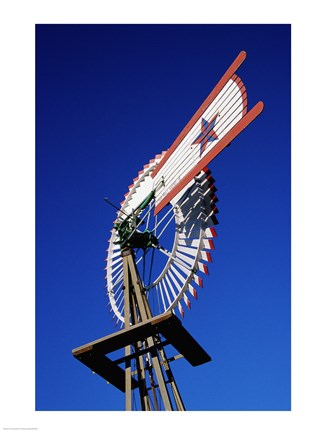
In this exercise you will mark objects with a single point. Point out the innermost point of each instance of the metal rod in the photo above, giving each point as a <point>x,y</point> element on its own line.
<point>113,205</point>
<point>169,254</point>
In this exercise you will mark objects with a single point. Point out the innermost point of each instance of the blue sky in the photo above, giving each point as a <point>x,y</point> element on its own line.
<point>108,98</point>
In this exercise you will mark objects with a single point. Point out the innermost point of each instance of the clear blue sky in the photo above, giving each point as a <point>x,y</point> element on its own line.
<point>108,98</point>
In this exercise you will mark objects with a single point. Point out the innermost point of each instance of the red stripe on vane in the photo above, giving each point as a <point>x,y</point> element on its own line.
<point>198,281</point>
<point>206,256</point>
<point>211,232</point>
<point>211,244</point>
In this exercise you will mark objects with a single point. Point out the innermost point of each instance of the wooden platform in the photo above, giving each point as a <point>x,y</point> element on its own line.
<point>94,354</point>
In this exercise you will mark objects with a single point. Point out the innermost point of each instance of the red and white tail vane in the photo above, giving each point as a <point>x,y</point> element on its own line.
<point>221,117</point>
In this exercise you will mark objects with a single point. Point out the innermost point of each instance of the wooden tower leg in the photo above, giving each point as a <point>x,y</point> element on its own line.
<point>137,310</point>
<point>174,387</point>
<point>128,369</point>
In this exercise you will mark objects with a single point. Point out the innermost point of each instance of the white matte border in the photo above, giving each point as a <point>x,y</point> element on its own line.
<point>17,180</point>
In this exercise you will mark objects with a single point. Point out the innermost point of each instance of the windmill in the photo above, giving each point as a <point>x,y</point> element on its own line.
<point>159,250</point>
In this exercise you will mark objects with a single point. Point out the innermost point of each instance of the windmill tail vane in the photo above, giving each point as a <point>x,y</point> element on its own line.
<point>221,117</point>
